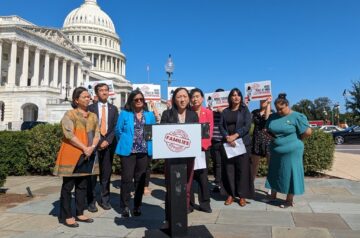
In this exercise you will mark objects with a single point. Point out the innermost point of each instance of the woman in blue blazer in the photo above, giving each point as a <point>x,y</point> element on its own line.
<point>133,149</point>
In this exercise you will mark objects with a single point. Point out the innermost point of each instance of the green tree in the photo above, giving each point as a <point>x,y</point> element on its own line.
<point>352,102</point>
<point>321,104</point>
<point>306,107</point>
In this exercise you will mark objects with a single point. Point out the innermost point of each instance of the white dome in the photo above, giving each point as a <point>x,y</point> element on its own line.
<point>89,14</point>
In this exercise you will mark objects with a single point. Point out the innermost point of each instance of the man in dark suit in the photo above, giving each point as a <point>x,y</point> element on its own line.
<point>108,116</point>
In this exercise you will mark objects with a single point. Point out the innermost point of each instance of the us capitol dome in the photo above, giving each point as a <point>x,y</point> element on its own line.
<point>93,31</point>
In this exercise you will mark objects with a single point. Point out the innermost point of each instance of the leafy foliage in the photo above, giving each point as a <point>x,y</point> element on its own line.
<point>13,152</point>
<point>43,147</point>
<point>3,172</point>
<point>306,107</point>
<point>353,102</point>
<point>319,152</point>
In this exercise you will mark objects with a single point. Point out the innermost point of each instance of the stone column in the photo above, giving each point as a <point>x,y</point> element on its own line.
<point>25,67</point>
<point>71,81</point>
<point>12,67</point>
<point>87,77</point>
<point>93,60</point>
<point>63,75</point>
<point>35,79</point>
<point>123,68</point>
<point>120,67</point>
<point>111,64</point>
<point>56,72</point>
<point>80,77</point>
<point>0,61</point>
<point>45,81</point>
<point>117,66</point>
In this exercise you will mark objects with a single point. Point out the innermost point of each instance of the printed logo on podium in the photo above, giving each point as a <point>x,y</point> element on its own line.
<point>177,140</point>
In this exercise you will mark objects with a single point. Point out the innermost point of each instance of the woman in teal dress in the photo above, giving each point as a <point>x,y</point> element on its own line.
<point>286,171</point>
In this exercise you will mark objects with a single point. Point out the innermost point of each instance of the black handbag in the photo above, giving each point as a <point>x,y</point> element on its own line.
<point>85,164</point>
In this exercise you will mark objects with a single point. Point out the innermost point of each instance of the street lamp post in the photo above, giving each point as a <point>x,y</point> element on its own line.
<point>337,114</point>
<point>67,90</point>
<point>169,69</point>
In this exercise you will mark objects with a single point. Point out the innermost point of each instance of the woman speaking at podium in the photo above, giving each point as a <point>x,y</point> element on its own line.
<point>180,112</point>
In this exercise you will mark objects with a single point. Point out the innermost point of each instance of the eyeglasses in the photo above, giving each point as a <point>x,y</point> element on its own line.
<point>138,99</point>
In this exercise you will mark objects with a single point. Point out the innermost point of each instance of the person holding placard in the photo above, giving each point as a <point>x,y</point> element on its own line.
<point>235,125</point>
<point>286,169</point>
<point>260,140</point>
<point>201,174</point>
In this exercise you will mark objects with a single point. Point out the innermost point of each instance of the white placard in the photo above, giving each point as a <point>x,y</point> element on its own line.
<point>176,141</point>
<point>256,91</point>
<point>150,91</point>
<point>215,100</point>
<point>200,161</point>
<point>239,149</point>
<point>172,89</point>
<point>90,86</point>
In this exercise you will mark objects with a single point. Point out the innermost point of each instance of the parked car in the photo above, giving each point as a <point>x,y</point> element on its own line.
<point>27,125</point>
<point>330,128</point>
<point>349,135</point>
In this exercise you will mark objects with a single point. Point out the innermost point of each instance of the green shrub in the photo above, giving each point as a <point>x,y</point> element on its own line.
<point>13,152</point>
<point>319,152</point>
<point>43,148</point>
<point>3,172</point>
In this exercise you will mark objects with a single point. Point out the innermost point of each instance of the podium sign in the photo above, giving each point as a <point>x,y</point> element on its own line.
<point>176,141</point>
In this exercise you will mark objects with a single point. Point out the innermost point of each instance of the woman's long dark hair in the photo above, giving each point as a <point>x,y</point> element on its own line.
<point>129,106</point>
<point>174,98</point>
<point>235,90</point>
<point>76,95</point>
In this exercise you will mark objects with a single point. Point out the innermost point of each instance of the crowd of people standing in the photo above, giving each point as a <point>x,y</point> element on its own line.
<point>94,133</point>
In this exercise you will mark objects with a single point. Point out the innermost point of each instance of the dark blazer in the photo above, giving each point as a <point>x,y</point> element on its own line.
<point>112,118</point>
<point>171,116</point>
<point>243,124</point>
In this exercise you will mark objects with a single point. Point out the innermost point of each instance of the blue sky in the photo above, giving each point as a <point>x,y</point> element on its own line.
<point>307,48</point>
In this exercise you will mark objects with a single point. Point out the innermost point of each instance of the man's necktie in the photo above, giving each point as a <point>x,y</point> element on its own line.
<point>103,121</point>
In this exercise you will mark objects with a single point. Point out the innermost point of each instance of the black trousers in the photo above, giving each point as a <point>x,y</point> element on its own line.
<point>237,176</point>
<point>105,164</point>
<point>80,184</point>
<point>201,177</point>
<point>148,172</point>
<point>133,167</point>
<point>216,151</point>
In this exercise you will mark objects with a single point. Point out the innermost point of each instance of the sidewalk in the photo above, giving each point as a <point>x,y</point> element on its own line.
<point>330,208</point>
<point>345,166</point>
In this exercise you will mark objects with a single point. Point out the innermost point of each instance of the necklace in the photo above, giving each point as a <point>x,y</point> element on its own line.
<point>181,117</point>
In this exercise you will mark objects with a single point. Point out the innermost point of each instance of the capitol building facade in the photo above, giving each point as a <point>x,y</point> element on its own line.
<point>40,66</point>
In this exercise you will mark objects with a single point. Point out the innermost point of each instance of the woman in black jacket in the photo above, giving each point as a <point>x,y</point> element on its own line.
<point>235,123</point>
<point>180,112</point>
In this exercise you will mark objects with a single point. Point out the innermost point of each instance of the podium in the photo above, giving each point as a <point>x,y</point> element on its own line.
<point>176,143</point>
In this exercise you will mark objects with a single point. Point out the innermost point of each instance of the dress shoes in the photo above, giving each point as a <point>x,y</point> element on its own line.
<point>125,212</point>
<point>242,202</point>
<point>88,220</point>
<point>74,225</point>
<point>105,206</point>
<point>229,200</point>
<point>207,210</point>
<point>92,208</point>
<point>190,210</point>
<point>216,189</point>
<point>137,211</point>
